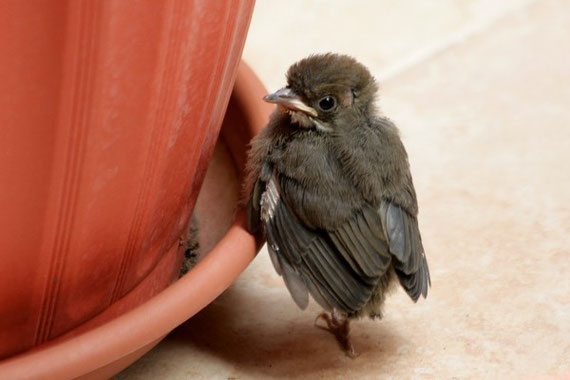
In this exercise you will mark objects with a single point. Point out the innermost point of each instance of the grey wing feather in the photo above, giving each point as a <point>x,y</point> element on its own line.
<point>410,264</point>
<point>363,245</point>
<point>317,295</point>
<point>296,285</point>
<point>274,258</point>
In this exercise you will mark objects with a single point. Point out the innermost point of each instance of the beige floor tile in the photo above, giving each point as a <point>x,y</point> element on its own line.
<point>387,35</point>
<point>486,121</point>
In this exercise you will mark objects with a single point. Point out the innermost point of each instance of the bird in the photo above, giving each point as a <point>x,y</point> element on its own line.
<point>328,184</point>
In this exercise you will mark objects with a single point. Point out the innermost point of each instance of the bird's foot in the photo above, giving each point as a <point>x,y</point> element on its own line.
<point>340,328</point>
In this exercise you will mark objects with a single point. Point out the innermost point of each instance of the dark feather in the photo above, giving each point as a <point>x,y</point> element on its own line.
<point>405,241</point>
<point>253,209</point>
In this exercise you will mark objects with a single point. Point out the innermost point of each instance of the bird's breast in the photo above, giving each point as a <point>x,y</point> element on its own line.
<point>314,184</point>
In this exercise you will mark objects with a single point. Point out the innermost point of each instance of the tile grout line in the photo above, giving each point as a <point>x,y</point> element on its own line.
<point>430,51</point>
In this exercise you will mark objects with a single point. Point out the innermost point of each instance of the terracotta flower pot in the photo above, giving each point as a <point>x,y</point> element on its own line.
<point>101,170</point>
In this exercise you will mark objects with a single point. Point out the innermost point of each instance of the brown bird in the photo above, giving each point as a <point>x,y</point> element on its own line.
<point>329,183</point>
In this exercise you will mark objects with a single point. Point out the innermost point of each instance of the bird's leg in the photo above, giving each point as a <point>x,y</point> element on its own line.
<point>340,328</point>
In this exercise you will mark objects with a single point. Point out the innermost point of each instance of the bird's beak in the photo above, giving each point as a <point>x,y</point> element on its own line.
<point>287,98</point>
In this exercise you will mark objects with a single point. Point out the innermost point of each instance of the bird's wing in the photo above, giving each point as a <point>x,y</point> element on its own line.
<point>405,242</point>
<point>338,268</point>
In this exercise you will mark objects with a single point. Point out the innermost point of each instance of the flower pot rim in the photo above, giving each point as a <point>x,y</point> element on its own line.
<point>146,323</point>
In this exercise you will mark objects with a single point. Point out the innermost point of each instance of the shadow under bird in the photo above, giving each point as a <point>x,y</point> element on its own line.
<point>329,184</point>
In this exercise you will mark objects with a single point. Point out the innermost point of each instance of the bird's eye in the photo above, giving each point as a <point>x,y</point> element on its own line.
<point>327,103</point>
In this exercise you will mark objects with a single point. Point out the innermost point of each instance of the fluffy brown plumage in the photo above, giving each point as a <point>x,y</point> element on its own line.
<point>330,186</point>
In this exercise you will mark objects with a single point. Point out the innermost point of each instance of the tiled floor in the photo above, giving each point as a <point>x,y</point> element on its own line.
<point>482,97</point>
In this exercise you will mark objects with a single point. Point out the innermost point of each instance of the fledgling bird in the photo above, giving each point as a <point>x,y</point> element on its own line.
<point>329,183</point>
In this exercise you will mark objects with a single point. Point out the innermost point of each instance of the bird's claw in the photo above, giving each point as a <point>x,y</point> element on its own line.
<point>329,321</point>
<point>340,329</point>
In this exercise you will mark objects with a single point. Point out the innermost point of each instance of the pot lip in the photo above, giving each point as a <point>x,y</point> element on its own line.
<point>152,320</point>
<point>146,323</point>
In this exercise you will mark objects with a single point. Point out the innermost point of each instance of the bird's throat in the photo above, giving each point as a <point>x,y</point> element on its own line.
<point>305,121</point>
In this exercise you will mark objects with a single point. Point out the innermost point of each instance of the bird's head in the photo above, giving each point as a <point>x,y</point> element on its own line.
<point>326,92</point>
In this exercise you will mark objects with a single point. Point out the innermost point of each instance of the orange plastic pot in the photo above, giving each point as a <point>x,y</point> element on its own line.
<point>106,349</point>
<point>108,117</point>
